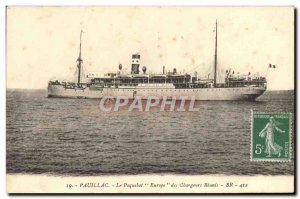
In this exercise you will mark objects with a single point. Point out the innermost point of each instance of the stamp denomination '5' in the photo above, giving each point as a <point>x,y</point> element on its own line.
<point>271,136</point>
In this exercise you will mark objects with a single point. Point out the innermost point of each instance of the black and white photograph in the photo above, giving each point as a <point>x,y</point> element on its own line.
<point>150,99</point>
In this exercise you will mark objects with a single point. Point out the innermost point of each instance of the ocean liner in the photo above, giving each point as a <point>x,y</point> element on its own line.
<point>168,85</point>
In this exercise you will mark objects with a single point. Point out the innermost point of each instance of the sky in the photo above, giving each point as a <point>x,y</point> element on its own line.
<point>43,42</point>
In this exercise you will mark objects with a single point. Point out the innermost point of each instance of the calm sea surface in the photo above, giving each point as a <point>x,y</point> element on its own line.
<point>73,137</point>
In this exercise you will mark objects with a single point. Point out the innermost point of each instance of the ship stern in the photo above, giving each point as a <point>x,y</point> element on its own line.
<point>254,93</point>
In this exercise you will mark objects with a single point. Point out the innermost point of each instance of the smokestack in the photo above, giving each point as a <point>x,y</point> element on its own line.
<point>163,69</point>
<point>135,64</point>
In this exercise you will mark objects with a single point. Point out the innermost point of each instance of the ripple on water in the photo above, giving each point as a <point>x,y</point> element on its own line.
<point>71,136</point>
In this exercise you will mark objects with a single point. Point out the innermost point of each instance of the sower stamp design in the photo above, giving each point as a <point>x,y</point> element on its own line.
<point>271,136</point>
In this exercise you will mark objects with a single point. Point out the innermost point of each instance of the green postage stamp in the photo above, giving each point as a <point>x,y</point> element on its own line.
<point>271,136</point>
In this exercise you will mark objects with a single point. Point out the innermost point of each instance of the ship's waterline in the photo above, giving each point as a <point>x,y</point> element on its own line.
<point>235,93</point>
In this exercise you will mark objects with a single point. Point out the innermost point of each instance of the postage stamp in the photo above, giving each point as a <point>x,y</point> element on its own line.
<point>271,136</point>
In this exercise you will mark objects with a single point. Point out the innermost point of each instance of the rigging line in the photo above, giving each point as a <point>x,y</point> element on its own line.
<point>193,69</point>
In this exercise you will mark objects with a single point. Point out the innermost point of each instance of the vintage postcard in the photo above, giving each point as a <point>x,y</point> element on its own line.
<point>150,99</point>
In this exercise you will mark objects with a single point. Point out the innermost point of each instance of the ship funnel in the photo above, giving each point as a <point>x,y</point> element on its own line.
<point>120,66</point>
<point>135,64</point>
<point>164,69</point>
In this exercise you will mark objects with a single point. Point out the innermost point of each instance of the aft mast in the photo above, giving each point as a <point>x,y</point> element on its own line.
<point>216,51</point>
<point>79,60</point>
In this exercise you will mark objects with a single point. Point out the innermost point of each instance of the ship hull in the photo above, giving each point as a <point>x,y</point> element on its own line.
<point>234,93</point>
